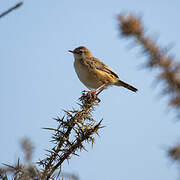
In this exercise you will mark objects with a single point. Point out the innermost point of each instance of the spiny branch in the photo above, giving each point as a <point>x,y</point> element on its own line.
<point>74,129</point>
<point>131,26</point>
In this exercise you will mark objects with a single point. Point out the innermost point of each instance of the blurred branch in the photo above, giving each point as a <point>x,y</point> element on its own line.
<point>28,148</point>
<point>21,171</point>
<point>11,9</point>
<point>174,153</point>
<point>131,27</point>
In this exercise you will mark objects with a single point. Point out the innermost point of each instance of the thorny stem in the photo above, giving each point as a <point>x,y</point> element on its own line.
<point>72,149</point>
<point>80,122</point>
<point>131,27</point>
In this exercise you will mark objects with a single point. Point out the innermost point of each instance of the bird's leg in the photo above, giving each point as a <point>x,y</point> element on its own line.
<point>101,88</point>
<point>90,92</point>
<point>94,93</point>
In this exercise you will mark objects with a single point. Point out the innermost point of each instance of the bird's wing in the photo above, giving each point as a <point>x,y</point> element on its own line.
<point>96,63</point>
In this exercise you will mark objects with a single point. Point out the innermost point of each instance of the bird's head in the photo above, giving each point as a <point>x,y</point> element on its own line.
<point>81,52</point>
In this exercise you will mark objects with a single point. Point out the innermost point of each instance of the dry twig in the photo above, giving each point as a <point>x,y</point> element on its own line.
<point>11,9</point>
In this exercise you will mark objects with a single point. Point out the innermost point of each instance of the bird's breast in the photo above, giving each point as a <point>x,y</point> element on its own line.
<point>86,75</point>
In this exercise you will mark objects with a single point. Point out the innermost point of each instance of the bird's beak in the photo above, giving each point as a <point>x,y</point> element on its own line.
<point>71,51</point>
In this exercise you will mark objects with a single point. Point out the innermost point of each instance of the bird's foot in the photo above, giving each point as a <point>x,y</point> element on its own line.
<point>92,95</point>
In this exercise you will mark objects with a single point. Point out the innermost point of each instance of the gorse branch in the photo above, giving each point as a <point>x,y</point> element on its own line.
<point>75,128</point>
<point>131,26</point>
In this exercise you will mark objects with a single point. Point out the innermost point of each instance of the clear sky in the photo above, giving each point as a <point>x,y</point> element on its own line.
<point>38,80</point>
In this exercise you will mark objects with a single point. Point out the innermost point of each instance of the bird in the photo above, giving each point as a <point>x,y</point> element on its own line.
<point>94,74</point>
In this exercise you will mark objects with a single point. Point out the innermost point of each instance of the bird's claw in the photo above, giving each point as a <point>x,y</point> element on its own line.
<point>92,94</point>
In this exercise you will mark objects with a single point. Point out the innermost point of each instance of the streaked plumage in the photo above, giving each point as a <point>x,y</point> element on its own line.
<point>93,73</point>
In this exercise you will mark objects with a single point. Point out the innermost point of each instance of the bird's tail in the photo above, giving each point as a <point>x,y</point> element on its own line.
<point>122,83</point>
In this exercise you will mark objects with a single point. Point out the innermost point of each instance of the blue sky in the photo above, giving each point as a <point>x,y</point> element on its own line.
<point>38,81</point>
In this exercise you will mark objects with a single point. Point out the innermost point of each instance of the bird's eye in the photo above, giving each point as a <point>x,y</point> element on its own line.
<point>80,52</point>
